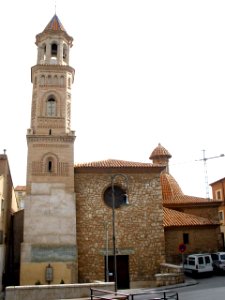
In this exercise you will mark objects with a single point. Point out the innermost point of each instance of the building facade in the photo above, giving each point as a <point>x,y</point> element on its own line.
<point>8,206</point>
<point>49,243</point>
<point>140,247</point>
<point>20,191</point>
<point>218,193</point>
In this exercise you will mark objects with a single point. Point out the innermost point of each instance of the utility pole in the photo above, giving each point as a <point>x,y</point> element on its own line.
<point>204,159</point>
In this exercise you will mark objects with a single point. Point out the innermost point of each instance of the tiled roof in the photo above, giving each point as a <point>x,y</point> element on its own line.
<point>185,199</point>
<point>114,163</point>
<point>170,188</point>
<point>160,151</point>
<point>21,188</point>
<point>218,181</point>
<point>55,24</point>
<point>173,195</point>
<point>173,218</point>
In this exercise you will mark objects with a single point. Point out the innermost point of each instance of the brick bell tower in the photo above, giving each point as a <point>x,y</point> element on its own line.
<point>49,250</point>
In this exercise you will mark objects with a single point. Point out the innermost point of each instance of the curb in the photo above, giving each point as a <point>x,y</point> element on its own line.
<point>161,288</point>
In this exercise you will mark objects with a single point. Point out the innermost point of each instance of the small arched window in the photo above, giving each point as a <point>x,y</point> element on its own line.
<point>69,82</point>
<point>55,80</point>
<point>44,51</point>
<point>62,81</point>
<point>51,107</point>
<point>54,50</point>
<point>49,79</point>
<point>64,52</point>
<point>42,81</point>
<point>50,165</point>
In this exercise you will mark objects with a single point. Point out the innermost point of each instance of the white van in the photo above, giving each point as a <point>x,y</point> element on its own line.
<point>218,262</point>
<point>198,264</point>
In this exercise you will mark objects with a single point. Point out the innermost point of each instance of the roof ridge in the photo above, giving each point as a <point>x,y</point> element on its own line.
<point>173,217</point>
<point>113,163</point>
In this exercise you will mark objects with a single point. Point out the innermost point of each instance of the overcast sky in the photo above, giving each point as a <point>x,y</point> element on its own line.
<point>147,72</point>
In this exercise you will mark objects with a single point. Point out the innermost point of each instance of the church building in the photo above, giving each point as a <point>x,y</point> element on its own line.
<point>68,211</point>
<point>79,217</point>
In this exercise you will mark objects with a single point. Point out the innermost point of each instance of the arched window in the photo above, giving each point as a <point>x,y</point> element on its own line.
<point>49,79</point>
<point>64,52</point>
<point>42,81</point>
<point>62,81</point>
<point>54,50</point>
<point>44,51</point>
<point>69,82</point>
<point>55,80</point>
<point>50,165</point>
<point>51,107</point>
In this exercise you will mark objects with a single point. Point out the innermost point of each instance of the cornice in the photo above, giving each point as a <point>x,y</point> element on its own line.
<point>49,67</point>
<point>50,139</point>
<point>52,68</point>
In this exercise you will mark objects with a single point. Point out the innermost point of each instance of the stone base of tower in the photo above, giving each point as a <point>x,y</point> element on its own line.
<point>49,235</point>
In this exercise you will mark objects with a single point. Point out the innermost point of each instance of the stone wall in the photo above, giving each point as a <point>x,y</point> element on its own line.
<point>169,275</point>
<point>50,292</point>
<point>139,226</point>
<point>201,239</point>
<point>210,212</point>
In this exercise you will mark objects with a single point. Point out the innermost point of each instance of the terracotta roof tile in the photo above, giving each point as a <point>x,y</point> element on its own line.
<point>20,188</point>
<point>173,218</point>
<point>160,151</point>
<point>55,24</point>
<point>173,195</point>
<point>170,188</point>
<point>114,163</point>
<point>185,199</point>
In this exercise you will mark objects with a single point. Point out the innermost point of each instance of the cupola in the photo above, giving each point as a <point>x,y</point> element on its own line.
<point>161,156</point>
<point>53,44</point>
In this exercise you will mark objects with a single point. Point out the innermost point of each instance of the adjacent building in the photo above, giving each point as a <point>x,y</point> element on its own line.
<point>8,206</point>
<point>218,193</point>
<point>188,220</point>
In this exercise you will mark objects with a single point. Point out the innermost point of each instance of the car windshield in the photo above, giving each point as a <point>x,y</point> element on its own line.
<point>222,256</point>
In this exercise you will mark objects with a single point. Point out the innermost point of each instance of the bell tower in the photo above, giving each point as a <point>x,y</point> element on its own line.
<point>49,214</point>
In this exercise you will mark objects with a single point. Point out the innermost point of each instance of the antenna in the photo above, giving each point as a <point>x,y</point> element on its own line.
<point>204,159</point>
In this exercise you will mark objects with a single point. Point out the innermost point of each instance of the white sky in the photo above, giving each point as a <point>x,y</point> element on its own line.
<point>146,72</point>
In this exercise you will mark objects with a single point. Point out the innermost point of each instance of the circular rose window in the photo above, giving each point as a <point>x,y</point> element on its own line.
<point>120,196</point>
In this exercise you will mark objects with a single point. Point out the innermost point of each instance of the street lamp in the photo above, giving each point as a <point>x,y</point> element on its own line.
<point>113,221</point>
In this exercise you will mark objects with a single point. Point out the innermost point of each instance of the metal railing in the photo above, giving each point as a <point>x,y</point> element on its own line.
<point>107,295</point>
<point>97,294</point>
<point>156,295</point>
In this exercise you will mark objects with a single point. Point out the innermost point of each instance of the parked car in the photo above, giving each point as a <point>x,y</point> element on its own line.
<point>218,262</point>
<point>196,264</point>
